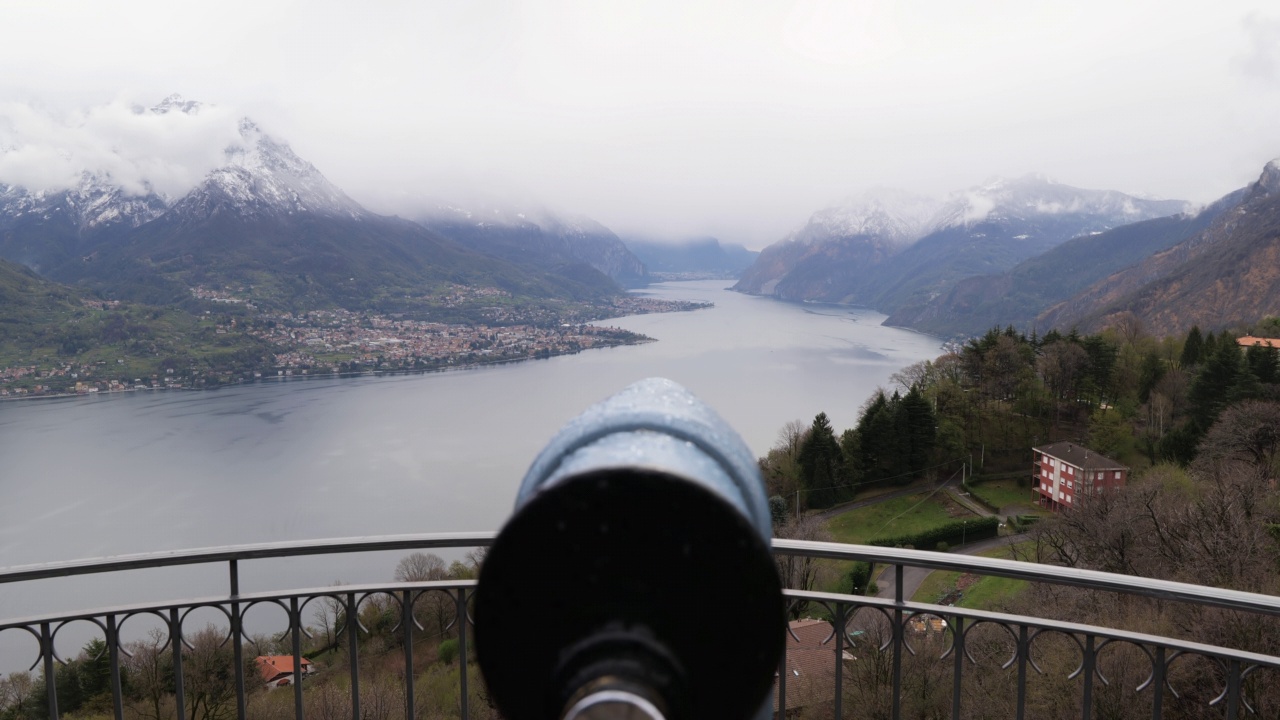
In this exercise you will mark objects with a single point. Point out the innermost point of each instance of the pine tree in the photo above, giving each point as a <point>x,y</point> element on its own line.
<point>820,463</point>
<point>922,430</point>
<point>1192,348</point>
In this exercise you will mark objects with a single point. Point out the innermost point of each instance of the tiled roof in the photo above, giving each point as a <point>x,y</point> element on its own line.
<point>1080,456</point>
<point>273,666</point>
<point>811,664</point>
<point>1250,341</point>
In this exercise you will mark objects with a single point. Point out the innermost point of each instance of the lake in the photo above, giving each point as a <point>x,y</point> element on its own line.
<point>144,471</point>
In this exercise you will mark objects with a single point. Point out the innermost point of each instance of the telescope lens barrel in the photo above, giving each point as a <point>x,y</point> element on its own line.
<point>635,577</point>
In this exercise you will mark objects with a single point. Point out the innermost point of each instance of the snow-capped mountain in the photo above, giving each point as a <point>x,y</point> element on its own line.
<point>830,251</point>
<point>261,217</point>
<point>893,251</point>
<point>263,176</point>
<point>1037,195</point>
<point>896,216</point>
<point>94,203</point>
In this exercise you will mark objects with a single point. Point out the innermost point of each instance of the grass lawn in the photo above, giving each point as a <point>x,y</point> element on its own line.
<point>900,516</point>
<point>977,592</point>
<point>1005,493</point>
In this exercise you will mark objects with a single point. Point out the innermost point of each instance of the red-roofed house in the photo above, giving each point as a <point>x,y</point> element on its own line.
<point>277,670</point>
<point>811,668</point>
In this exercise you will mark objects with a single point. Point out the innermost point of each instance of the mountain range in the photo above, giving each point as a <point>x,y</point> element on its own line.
<point>695,257</point>
<point>896,252</point>
<point>268,224</point>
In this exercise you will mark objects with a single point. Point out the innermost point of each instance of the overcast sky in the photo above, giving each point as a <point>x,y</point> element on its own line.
<point>736,118</point>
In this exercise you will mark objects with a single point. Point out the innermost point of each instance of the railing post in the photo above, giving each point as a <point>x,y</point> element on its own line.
<point>957,647</point>
<point>1233,690</point>
<point>841,620</point>
<point>406,622</point>
<point>113,658</point>
<point>175,638</point>
<point>353,653</point>
<point>237,649</point>
<point>782,683</point>
<point>295,628</point>
<point>1024,651</point>
<point>898,631</point>
<point>1157,684</point>
<point>464,698</point>
<point>50,670</point>
<point>1089,667</point>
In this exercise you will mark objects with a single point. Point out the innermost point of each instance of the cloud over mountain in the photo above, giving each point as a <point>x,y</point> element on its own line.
<point>168,148</point>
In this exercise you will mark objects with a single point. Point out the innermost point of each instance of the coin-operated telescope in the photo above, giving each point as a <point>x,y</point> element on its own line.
<point>634,579</point>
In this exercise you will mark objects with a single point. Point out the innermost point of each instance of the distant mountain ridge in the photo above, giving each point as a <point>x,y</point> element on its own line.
<point>698,256</point>
<point>986,229</point>
<point>554,242</point>
<point>1226,274</point>
<point>264,221</point>
<point>1018,296</point>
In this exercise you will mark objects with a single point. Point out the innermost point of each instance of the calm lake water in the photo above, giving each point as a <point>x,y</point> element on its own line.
<point>145,471</point>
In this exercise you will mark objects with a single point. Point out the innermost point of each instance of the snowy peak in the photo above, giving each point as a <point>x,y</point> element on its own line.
<point>1037,195</point>
<point>263,176</point>
<point>95,203</point>
<point>893,215</point>
<point>176,103</point>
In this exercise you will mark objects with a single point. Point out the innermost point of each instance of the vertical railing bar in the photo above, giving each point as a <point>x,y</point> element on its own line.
<point>1158,670</point>
<point>782,680</point>
<point>175,638</point>
<point>841,619</point>
<point>1024,651</point>
<point>113,658</point>
<point>1090,667</point>
<point>50,671</point>
<point>406,622</point>
<point>295,630</point>
<point>353,654</point>
<point>462,652</point>
<point>237,646</point>
<point>898,631</point>
<point>1233,690</point>
<point>957,647</point>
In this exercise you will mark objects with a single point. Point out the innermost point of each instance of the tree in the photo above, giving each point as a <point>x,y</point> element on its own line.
<point>797,572</point>
<point>820,464</point>
<point>1109,434</point>
<point>922,430</point>
<point>421,567</point>
<point>209,676</point>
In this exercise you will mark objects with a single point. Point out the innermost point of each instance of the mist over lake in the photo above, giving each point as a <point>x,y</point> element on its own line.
<point>148,471</point>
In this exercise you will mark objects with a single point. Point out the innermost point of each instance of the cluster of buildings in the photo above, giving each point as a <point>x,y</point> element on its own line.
<point>339,339</point>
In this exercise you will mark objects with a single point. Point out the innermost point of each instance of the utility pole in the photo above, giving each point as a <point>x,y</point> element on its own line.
<point>797,503</point>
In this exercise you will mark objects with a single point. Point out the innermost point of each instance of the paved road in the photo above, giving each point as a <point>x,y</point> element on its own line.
<point>913,577</point>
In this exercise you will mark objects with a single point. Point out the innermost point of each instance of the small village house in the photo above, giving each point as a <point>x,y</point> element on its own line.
<point>277,670</point>
<point>811,669</point>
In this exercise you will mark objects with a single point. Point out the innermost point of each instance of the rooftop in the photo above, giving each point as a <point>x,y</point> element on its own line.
<point>1080,456</point>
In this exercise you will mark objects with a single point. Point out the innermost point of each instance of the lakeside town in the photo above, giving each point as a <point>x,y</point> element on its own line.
<point>340,342</point>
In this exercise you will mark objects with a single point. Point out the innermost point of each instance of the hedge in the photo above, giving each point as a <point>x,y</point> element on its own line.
<point>859,577</point>
<point>953,533</point>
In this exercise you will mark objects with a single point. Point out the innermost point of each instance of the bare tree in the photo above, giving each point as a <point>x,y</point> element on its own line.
<point>421,567</point>
<point>209,675</point>
<point>14,691</point>
<point>150,674</point>
<point>796,572</point>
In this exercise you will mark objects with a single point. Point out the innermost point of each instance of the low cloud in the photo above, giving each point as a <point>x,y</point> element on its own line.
<point>137,148</point>
<point>1262,60</point>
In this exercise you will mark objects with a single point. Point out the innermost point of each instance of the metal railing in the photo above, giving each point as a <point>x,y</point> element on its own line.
<point>897,620</point>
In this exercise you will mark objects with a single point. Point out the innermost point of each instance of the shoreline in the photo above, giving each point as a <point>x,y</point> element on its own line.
<point>328,375</point>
